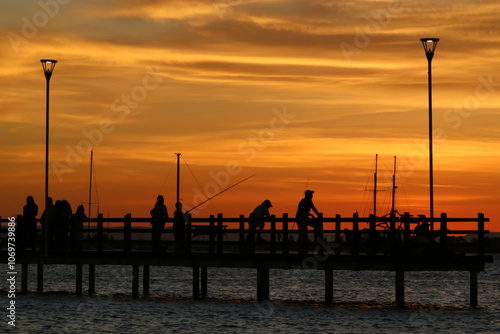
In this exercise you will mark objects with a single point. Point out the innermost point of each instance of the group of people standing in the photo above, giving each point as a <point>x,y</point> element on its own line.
<point>159,216</point>
<point>65,228</point>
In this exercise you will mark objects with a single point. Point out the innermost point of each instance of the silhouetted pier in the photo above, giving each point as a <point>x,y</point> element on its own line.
<point>337,243</point>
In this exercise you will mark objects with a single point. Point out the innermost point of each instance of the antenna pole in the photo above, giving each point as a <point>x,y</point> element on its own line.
<point>375,187</point>
<point>90,187</point>
<point>394,185</point>
<point>178,174</point>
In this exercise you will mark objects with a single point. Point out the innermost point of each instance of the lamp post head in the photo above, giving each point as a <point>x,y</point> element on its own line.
<point>48,67</point>
<point>429,46</point>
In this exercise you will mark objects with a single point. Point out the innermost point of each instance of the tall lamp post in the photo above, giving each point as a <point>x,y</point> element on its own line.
<point>48,68</point>
<point>429,47</point>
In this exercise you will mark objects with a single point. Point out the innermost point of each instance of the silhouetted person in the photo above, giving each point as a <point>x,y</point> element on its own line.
<point>30,211</point>
<point>159,216</point>
<point>51,220</point>
<point>257,220</point>
<point>422,229</point>
<point>76,232</point>
<point>305,218</point>
<point>62,225</point>
<point>180,221</point>
<point>423,237</point>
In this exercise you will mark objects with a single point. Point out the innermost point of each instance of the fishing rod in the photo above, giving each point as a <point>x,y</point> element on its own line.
<point>220,192</point>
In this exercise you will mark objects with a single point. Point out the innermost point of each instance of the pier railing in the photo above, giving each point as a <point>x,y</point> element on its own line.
<point>217,234</point>
<point>335,243</point>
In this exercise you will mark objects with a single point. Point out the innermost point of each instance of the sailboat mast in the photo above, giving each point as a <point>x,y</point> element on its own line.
<point>178,174</point>
<point>393,185</point>
<point>375,187</point>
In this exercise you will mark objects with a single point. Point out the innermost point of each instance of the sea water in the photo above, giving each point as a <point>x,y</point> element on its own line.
<point>436,302</point>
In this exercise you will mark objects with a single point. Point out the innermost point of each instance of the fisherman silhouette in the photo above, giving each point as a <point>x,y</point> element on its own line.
<point>63,215</point>
<point>159,216</point>
<point>257,220</point>
<point>51,221</point>
<point>304,218</point>
<point>76,232</point>
<point>30,211</point>
<point>180,221</point>
<point>423,238</point>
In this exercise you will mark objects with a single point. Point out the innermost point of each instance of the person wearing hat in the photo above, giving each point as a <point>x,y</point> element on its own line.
<point>257,219</point>
<point>304,216</point>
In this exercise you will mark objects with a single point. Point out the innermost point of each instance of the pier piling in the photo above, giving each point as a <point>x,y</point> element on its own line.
<point>204,281</point>
<point>196,282</point>
<point>91,279</point>
<point>262,284</point>
<point>145,280</point>
<point>79,279</point>
<point>135,281</point>
<point>473,288</point>
<point>400,288</point>
<point>39,274</point>
<point>328,286</point>
<point>24,279</point>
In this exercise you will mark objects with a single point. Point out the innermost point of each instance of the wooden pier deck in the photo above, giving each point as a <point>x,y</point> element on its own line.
<point>338,243</point>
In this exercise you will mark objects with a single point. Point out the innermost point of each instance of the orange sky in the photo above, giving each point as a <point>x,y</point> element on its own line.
<point>301,93</point>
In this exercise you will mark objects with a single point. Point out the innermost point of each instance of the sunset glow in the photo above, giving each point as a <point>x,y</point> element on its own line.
<point>303,94</point>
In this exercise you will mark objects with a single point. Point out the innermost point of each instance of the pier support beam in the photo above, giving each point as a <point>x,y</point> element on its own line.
<point>91,279</point>
<point>400,288</point>
<point>79,279</point>
<point>145,280</point>
<point>24,279</point>
<point>135,281</point>
<point>39,274</point>
<point>196,282</point>
<point>328,286</point>
<point>262,283</point>
<point>204,281</point>
<point>473,288</point>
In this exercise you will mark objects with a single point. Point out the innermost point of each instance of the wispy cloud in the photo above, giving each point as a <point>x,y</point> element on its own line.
<point>224,66</point>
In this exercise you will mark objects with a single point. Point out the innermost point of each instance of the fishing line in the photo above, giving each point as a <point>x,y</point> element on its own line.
<point>305,188</point>
<point>96,189</point>
<point>386,202</point>
<point>220,192</point>
<point>365,204</point>
<point>166,178</point>
<point>406,197</point>
<point>199,185</point>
